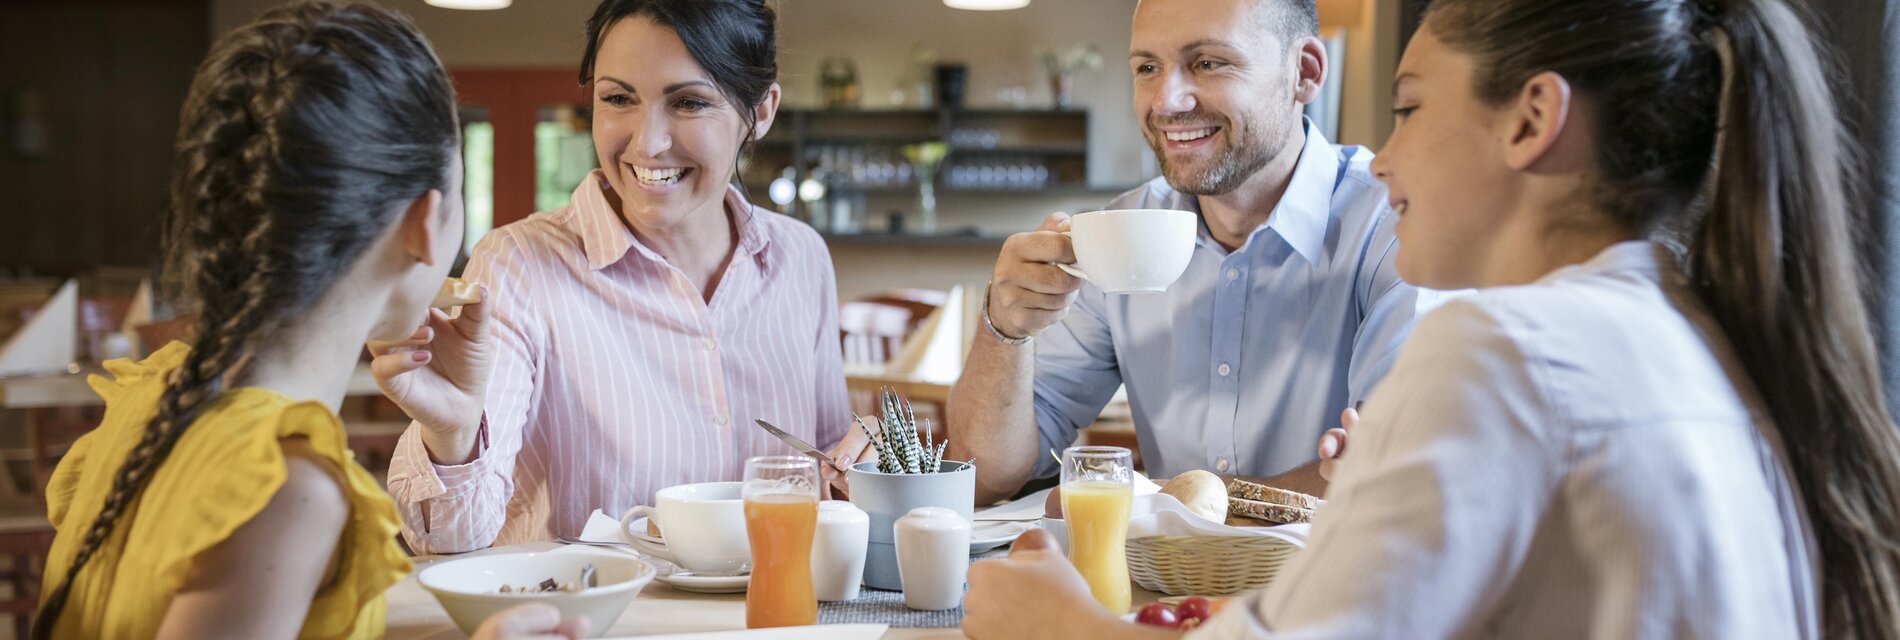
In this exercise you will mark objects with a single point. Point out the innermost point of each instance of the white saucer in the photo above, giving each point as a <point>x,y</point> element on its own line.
<point>698,584</point>
<point>705,584</point>
<point>655,548</point>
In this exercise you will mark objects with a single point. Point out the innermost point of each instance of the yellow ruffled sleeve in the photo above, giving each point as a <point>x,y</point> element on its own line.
<point>129,396</point>
<point>225,471</point>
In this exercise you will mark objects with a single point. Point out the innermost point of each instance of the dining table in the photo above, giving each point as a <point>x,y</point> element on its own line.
<point>414,614</point>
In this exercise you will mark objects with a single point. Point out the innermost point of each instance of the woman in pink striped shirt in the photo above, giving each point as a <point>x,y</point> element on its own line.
<point>630,338</point>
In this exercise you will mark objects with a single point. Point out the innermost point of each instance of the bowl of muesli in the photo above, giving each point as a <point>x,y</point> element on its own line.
<point>472,589</point>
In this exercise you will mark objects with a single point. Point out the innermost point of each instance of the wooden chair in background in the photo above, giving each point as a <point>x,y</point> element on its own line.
<point>874,329</point>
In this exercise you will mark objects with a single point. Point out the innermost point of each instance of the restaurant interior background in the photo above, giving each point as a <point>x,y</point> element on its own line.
<point>89,93</point>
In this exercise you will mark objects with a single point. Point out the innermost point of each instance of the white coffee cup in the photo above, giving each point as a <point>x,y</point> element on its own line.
<point>1131,250</point>
<point>703,524</point>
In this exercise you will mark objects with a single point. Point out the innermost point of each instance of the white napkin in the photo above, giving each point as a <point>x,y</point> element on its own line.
<point>824,632</point>
<point>1162,515</point>
<point>935,352</point>
<point>46,343</point>
<point>601,527</point>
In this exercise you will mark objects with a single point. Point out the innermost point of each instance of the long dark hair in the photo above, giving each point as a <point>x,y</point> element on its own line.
<point>735,41</point>
<point>1715,118</point>
<point>304,134</point>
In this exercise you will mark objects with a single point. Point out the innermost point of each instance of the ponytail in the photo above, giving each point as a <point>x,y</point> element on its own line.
<point>1773,261</point>
<point>1722,108</point>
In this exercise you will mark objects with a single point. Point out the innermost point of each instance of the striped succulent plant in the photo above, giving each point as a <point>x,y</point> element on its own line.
<point>896,438</point>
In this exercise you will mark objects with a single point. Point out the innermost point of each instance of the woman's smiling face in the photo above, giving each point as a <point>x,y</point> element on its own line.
<point>667,138</point>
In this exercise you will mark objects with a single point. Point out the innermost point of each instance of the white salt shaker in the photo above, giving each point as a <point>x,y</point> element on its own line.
<point>837,550</point>
<point>933,557</point>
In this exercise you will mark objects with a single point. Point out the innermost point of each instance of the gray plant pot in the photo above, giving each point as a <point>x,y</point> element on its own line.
<point>888,496</point>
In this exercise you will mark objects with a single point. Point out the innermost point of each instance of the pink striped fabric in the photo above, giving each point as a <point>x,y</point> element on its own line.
<point>614,378</point>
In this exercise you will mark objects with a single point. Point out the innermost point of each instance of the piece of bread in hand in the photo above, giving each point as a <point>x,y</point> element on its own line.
<point>1262,493</point>
<point>456,292</point>
<point>1201,492</point>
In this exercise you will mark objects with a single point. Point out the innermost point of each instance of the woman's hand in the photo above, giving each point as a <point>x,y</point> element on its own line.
<point>854,448</point>
<point>439,376</point>
<point>531,622</point>
<point>1332,444</point>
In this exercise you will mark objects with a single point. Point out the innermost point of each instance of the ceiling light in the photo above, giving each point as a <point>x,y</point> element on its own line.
<point>986,5</point>
<point>476,5</point>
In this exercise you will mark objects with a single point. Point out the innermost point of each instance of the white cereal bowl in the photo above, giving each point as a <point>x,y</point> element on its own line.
<point>470,588</point>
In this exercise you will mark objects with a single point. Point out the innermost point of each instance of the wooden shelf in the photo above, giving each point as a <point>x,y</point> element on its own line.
<point>1024,150</point>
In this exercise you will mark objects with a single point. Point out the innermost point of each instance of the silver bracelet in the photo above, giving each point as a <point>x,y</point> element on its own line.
<point>992,327</point>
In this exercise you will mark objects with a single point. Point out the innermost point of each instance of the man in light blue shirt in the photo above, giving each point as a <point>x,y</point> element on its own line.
<point>1289,310</point>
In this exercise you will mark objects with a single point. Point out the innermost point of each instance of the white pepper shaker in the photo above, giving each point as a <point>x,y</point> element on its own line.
<point>837,551</point>
<point>933,557</point>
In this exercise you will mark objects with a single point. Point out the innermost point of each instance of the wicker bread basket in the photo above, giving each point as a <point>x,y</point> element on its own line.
<point>1206,565</point>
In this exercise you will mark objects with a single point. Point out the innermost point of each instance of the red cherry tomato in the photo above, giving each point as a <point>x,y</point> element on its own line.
<point>1193,608</point>
<point>1156,614</point>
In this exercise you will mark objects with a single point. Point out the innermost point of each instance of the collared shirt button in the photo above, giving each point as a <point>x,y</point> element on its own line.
<point>1233,274</point>
<point>719,420</point>
<point>1224,369</point>
<point>710,344</point>
<point>1221,465</point>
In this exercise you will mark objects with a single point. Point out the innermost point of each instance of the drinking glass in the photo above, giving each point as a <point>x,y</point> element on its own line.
<point>781,514</point>
<point>1097,492</point>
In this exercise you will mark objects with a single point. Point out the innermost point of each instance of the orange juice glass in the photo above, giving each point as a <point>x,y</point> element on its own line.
<point>1097,493</point>
<point>781,514</point>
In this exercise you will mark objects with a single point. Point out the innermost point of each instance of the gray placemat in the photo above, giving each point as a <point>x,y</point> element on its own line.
<point>877,606</point>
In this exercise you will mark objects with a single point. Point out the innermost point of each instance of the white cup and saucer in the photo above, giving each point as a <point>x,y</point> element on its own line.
<point>702,536</point>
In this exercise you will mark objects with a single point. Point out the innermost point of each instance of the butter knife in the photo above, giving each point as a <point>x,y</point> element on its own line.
<point>795,442</point>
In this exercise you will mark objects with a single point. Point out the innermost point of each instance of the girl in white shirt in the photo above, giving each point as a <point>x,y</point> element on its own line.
<point>1607,440</point>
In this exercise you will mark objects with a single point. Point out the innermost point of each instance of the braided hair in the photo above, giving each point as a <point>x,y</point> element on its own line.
<point>304,134</point>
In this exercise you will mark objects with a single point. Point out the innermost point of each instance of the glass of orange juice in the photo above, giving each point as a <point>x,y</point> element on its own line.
<point>781,513</point>
<point>1097,491</point>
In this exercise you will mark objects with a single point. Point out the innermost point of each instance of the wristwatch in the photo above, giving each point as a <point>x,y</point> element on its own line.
<point>992,326</point>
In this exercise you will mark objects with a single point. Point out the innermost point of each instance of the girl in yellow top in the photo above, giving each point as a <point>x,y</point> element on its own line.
<point>314,207</point>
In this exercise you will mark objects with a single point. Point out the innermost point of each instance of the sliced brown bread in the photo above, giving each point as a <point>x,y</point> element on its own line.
<point>1270,512</point>
<point>1262,493</point>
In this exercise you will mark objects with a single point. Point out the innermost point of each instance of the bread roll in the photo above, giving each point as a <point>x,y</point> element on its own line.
<point>456,292</point>
<point>1201,492</point>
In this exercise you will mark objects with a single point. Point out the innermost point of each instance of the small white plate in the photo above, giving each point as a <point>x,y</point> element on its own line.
<point>639,526</point>
<point>990,535</point>
<point>646,544</point>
